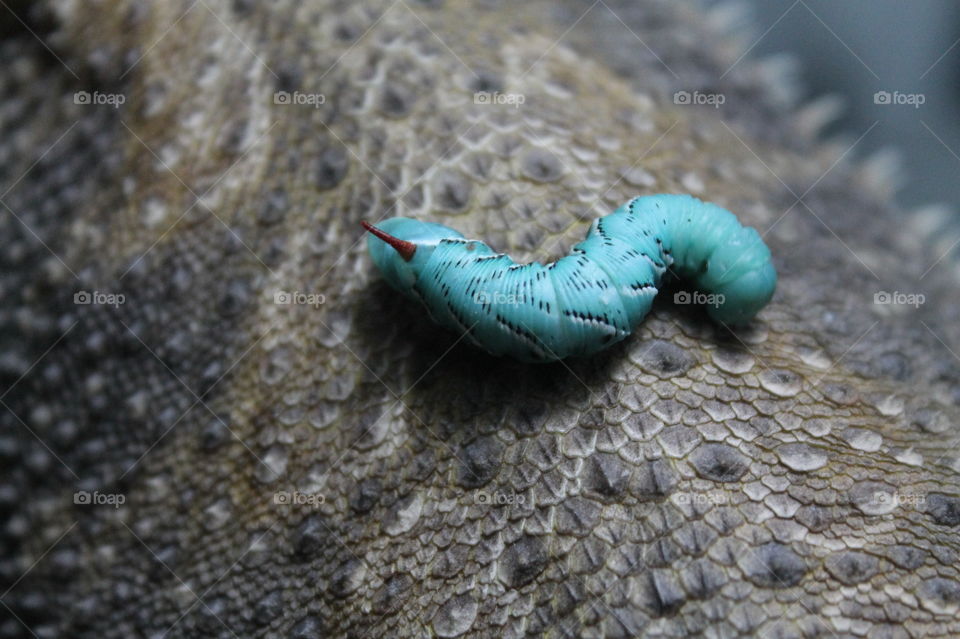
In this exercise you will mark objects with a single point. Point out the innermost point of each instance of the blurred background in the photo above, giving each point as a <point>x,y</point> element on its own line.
<point>856,48</point>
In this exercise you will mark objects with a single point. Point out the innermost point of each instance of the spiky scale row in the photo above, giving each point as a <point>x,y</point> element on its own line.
<point>585,301</point>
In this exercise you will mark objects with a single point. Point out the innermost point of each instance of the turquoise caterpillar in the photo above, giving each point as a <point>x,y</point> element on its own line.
<point>585,301</point>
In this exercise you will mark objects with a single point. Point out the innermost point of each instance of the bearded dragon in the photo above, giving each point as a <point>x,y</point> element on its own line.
<point>219,421</point>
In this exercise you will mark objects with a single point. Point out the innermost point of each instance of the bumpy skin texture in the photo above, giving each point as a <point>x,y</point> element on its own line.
<point>588,300</point>
<point>797,479</point>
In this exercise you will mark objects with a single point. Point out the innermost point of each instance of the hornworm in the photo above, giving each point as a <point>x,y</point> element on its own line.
<point>585,301</point>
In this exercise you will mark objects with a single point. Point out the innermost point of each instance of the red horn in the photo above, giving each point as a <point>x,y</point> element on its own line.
<point>404,248</point>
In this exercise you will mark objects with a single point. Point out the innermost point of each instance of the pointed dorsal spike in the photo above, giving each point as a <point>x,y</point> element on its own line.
<point>404,248</point>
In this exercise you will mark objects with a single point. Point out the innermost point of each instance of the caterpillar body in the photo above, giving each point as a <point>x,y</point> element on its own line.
<point>589,299</point>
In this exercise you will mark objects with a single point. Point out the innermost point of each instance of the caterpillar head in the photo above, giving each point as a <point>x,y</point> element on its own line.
<point>401,248</point>
<point>744,296</point>
<point>740,272</point>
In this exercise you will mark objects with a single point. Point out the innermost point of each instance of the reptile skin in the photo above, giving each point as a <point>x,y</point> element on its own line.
<point>798,478</point>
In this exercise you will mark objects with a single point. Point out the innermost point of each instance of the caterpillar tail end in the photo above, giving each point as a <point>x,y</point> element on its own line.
<point>402,247</point>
